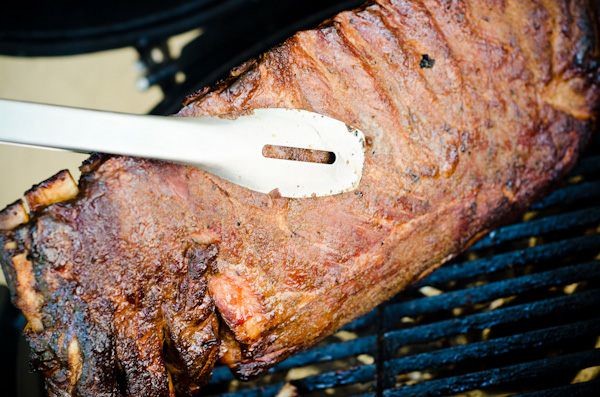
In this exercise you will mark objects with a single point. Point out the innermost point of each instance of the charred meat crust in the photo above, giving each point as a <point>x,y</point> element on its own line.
<point>92,163</point>
<point>157,270</point>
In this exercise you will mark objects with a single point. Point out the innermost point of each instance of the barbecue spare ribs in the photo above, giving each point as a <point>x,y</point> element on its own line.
<point>137,280</point>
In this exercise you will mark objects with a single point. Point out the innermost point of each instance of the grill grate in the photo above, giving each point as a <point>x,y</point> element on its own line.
<point>514,315</point>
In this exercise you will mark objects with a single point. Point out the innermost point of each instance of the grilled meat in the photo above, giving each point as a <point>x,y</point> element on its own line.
<point>151,272</point>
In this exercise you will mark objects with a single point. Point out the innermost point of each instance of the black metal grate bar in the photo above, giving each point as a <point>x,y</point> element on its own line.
<point>550,224</point>
<point>528,371</point>
<point>266,391</point>
<point>560,307</point>
<point>569,195</point>
<point>488,292</point>
<point>496,347</point>
<point>364,373</point>
<point>590,388</point>
<point>533,255</point>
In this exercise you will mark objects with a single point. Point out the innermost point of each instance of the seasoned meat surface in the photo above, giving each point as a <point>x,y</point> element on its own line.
<point>152,272</point>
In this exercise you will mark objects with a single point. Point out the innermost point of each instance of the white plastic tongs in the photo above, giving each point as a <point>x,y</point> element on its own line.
<point>230,148</point>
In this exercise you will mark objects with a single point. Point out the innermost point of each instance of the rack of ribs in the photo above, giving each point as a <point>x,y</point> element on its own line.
<point>140,277</point>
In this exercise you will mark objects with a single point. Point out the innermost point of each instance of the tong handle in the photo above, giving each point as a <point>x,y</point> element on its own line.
<point>87,131</point>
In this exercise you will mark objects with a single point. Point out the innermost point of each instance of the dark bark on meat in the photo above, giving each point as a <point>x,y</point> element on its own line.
<point>157,270</point>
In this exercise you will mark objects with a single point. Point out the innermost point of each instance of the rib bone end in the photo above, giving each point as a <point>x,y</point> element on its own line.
<point>13,215</point>
<point>60,187</point>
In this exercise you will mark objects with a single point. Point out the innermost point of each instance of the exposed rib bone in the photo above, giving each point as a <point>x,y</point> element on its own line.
<point>75,362</point>
<point>28,299</point>
<point>13,215</point>
<point>11,245</point>
<point>60,187</point>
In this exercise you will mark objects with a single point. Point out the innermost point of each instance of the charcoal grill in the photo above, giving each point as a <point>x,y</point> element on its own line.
<point>517,314</point>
